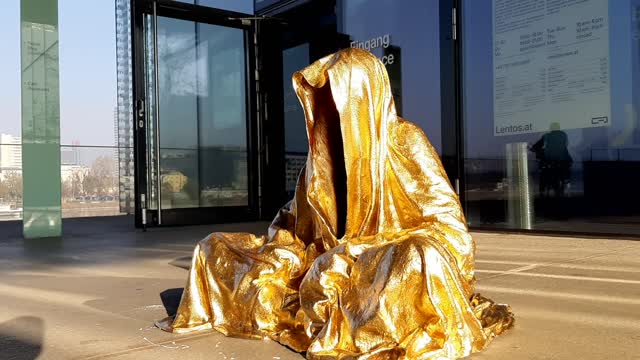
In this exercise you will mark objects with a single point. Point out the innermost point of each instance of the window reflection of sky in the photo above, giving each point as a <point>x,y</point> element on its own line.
<point>243,6</point>
<point>201,87</point>
<point>478,80</point>
<point>295,134</point>
<point>414,27</point>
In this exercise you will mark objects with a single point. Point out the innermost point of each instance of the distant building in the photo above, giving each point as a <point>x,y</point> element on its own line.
<point>10,153</point>
<point>69,156</point>
<point>66,171</point>
<point>123,122</point>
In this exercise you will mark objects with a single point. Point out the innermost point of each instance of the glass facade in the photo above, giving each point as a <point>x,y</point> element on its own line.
<point>548,128</point>
<point>10,178</point>
<point>95,128</point>
<point>10,122</point>
<point>410,53</point>
<point>10,118</point>
<point>406,38</point>
<point>93,135</point>
<point>545,118</point>
<point>90,181</point>
<point>551,96</point>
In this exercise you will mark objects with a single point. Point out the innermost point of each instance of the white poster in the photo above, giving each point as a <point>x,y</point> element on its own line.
<point>551,65</point>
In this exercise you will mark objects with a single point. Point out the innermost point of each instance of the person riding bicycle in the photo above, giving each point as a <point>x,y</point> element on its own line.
<point>554,160</point>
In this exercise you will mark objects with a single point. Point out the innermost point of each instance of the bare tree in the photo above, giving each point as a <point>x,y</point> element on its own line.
<point>4,191</point>
<point>102,178</point>
<point>11,185</point>
<point>72,186</point>
<point>76,183</point>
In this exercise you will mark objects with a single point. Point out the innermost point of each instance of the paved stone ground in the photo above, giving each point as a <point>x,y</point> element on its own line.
<point>96,293</point>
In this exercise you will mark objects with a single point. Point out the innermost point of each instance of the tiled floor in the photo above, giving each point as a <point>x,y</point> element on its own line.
<point>96,293</point>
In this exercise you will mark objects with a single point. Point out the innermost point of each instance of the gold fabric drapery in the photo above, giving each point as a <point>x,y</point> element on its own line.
<point>370,260</point>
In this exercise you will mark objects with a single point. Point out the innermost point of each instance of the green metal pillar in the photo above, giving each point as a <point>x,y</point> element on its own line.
<point>42,215</point>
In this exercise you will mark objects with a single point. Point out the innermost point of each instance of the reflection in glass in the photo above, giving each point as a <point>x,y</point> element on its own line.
<point>406,38</point>
<point>296,144</point>
<point>552,105</point>
<point>222,119</point>
<point>202,114</point>
<point>90,183</point>
<point>10,178</point>
<point>180,81</point>
<point>554,161</point>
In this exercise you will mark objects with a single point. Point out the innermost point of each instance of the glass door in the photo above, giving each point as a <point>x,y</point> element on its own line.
<point>289,41</point>
<point>197,139</point>
<point>296,56</point>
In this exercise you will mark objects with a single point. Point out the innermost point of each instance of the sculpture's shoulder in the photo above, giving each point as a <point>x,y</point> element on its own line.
<point>407,134</point>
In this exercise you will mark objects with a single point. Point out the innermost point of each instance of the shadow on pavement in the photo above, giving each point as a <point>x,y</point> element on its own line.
<point>171,300</point>
<point>21,338</point>
<point>89,242</point>
<point>183,262</point>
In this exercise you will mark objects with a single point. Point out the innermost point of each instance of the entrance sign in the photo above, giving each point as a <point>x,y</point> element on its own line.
<point>391,59</point>
<point>381,41</point>
<point>550,65</point>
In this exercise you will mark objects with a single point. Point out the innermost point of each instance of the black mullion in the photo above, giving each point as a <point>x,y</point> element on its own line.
<point>198,148</point>
<point>138,88</point>
<point>272,121</point>
<point>448,92</point>
<point>460,129</point>
<point>452,129</point>
<point>251,121</point>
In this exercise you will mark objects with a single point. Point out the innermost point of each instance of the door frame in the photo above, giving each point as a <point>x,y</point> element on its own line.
<point>452,130</point>
<point>201,14</point>
<point>280,28</point>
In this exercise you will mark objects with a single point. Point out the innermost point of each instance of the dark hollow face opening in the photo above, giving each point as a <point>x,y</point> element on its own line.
<point>328,144</point>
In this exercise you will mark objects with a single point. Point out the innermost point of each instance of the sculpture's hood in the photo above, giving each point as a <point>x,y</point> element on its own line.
<point>348,107</point>
<point>369,172</point>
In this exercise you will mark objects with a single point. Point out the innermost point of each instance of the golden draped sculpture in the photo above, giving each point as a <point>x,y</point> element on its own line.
<point>370,260</point>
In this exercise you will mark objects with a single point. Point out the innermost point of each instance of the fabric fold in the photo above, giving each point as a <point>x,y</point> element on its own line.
<point>372,258</point>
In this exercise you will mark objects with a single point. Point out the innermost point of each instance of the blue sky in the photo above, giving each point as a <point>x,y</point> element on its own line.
<point>87,70</point>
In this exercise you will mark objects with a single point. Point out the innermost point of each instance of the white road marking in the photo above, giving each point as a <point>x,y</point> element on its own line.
<point>592,321</point>
<point>559,295</point>
<point>564,277</point>
<point>565,266</point>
